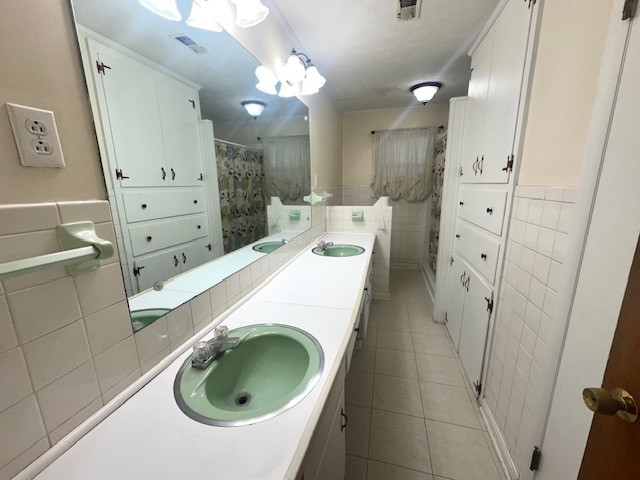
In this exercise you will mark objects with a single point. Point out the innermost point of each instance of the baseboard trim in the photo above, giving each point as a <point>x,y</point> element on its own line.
<point>430,287</point>
<point>378,295</point>
<point>405,266</point>
<point>499,443</point>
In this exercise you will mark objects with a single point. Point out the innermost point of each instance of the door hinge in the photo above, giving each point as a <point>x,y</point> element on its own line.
<point>535,459</point>
<point>136,270</point>
<point>101,67</point>
<point>446,317</point>
<point>209,247</point>
<point>629,9</point>
<point>193,103</point>
<point>201,178</point>
<point>509,166</point>
<point>477,386</point>
<point>452,260</point>
<point>460,172</point>
<point>120,175</point>
<point>470,73</point>
<point>489,303</point>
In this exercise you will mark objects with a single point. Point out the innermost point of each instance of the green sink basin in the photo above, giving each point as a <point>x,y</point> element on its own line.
<point>142,318</point>
<point>339,250</point>
<point>267,247</point>
<point>272,369</point>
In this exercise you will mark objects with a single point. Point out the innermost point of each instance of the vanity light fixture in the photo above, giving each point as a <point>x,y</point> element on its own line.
<point>254,107</point>
<point>202,16</point>
<point>165,8</point>
<point>425,91</point>
<point>249,12</point>
<point>298,77</point>
<point>267,81</point>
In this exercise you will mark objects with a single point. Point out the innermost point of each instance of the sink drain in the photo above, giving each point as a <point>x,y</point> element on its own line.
<point>243,399</point>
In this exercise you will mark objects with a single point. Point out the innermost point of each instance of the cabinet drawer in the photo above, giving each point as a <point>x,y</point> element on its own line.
<point>484,208</point>
<point>152,236</point>
<point>479,249</point>
<point>140,206</point>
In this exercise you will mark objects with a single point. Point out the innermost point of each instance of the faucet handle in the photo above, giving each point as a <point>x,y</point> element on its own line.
<point>221,331</point>
<point>201,352</point>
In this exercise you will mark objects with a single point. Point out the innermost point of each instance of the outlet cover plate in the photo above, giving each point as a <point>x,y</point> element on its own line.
<point>29,143</point>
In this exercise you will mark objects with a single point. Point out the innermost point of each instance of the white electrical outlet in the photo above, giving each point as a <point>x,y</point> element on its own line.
<point>36,136</point>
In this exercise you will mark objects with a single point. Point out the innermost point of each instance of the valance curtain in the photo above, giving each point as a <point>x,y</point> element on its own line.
<point>403,161</point>
<point>286,166</point>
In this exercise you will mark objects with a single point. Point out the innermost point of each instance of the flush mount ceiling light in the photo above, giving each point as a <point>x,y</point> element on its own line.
<point>249,12</point>
<point>425,91</point>
<point>298,76</point>
<point>254,107</point>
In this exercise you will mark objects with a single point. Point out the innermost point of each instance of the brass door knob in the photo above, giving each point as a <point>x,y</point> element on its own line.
<point>618,402</point>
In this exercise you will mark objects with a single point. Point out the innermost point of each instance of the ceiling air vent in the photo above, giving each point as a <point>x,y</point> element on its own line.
<point>190,43</point>
<point>408,9</point>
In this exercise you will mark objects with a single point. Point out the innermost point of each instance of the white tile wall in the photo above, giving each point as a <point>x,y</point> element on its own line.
<point>408,231</point>
<point>378,219</point>
<point>527,315</point>
<point>278,218</point>
<point>66,343</point>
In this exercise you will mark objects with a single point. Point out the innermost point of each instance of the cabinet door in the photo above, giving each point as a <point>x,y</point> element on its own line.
<point>332,465</point>
<point>131,106</point>
<point>157,267</point>
<point>180,130</point>
<point>507,68</point>
<point>475,326</point>
<point>476,109</point>
<point>455,299</point>
<point>194,254</point>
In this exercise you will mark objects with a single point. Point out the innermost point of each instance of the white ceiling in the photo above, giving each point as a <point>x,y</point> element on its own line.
<point>226,72</point>
<point>370,59</point>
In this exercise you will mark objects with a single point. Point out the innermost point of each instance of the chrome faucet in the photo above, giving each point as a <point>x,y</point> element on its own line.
<point>285,241</point>
<point>205,352</point>
<point>322,245</point>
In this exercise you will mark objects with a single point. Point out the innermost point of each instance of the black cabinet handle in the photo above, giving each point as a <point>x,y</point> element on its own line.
<point>483,256</point>
<point>357,329</point>
<point>481,164</point>
<point>462,278</point>
<point>346,420</point>
<point>195,201</point>
<point>490,211</point>
<point>143,206</point>
<point>149,238</point>
<point>461,203</point>
<point>184,258</point>
<point>164,173</point>
<point>173,174</point>
<point>199,227</point>
<point>475,167</point>
<point>457,235</point>
<point>175,261</point>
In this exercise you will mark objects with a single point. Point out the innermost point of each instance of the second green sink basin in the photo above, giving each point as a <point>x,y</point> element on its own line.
<point>267,247</point>
<point>142,318</point>
<point>339,250</point>
<point>271,370</point>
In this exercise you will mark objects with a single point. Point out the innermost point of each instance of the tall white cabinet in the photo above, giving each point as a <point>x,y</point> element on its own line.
<point>485,182</point>
<point>151,139</point>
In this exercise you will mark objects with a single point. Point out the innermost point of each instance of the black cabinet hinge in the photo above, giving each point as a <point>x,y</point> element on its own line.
<point>193,103</point>
<point>629,9</point>
<point>201,178</point>
<point>509,166</point>
<point>101,67</point>
<point>209,247</point>
<point>535,459</point>
<point>477,386</point>
<point>452,260</point>
<point>120,175</point>
<point>136,271</point>
<point>489,303</point>
<point>461,172</point>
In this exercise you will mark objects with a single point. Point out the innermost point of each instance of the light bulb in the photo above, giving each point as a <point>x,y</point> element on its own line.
<point>165,8</point>
<point>249,12</point>
<point>315,79</point>
<point>287,90</point>
<point>293,70</point>
<point>201,17</point>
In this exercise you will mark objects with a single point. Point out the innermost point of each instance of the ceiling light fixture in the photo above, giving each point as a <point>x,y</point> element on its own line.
<point>254,107</point>
<point>298,76</point>
<point>249,12</point>
<point>425,91</point>
<point>267,81</point>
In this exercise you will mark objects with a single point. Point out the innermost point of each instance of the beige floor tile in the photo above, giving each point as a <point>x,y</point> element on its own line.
<point>419,309</point>
<point>426,326</point>
<point>460,453</point>
<point>433,345</point>
<point>439,369</point>
<point>396,363</point>
<point>393,308</point>
<point>400,440</point>
<point>371,340</point>
<point>363,359</point>
<point>395,340</point>
<point>384,471</point>
<point>357,433</point>
<point>355,468</point>
<point>359,388</point>
<point>399,324</point>
<point>399,395</point>
<point>447,403</point>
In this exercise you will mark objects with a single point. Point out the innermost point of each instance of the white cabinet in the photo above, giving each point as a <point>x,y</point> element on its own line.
<point>484,208</point>
<point>332,465</point>
<point>478,307</point>
<point>480,250</point>
<point>153,236</point>
<point>456,290</point>
<point>195,253</point>
<point>150,204</point>
<point>156,267</point>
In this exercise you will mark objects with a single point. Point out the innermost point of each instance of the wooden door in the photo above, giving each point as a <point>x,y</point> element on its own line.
<point>476,108</point>
<point>503,99</point>
<point>612,447</point>
<point>179,116</point>
<point>129,111</point>
<point>455,299</point>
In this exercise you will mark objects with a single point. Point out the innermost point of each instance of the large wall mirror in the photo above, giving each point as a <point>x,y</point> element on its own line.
<point>200,185</point>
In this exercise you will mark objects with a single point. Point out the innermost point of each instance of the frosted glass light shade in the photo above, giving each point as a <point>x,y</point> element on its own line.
<point>249,12</point>
<point>293,70</point>
<point>287,90</point>
<point>314,78</point>
<point>425,91</point>
<point>254,107</point>
<point>308,87</point>
<point>201,17</point>
<point>165,8</point>
<point>269,88</point>
<point>267,80</point>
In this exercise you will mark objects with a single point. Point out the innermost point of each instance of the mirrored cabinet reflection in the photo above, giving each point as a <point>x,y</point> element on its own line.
<point>196,180</point>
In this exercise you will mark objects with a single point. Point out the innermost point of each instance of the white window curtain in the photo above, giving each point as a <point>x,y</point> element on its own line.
<point>403,161</point>
<point>287,166</point>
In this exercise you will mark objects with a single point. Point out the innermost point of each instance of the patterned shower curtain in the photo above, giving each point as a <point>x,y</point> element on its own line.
<point>242,201</point>
<point>437,176</point>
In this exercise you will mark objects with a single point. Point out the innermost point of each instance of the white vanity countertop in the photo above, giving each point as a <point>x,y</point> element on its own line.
<point>150,437</point>
<point>200,279</point>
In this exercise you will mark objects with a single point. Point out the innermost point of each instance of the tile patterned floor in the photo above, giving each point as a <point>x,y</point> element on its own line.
<point>411,414</point>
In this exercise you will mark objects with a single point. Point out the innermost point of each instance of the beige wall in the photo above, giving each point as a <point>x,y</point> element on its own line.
<point>247,133</point>
<point>357,152</point>
<point>572,36</point>
<point>46,74</point>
